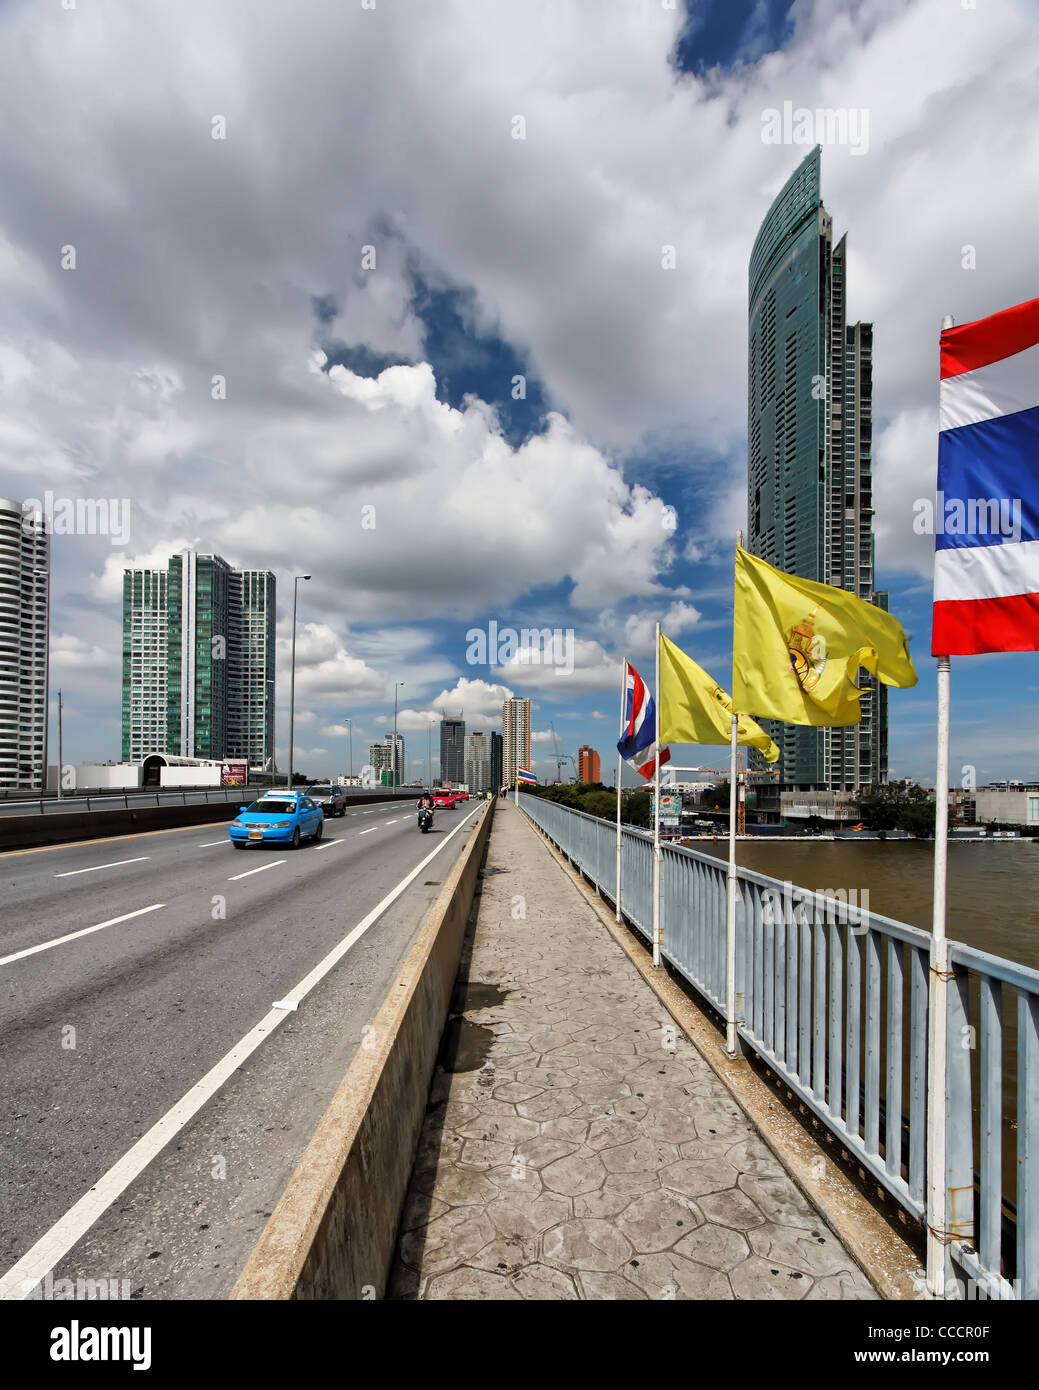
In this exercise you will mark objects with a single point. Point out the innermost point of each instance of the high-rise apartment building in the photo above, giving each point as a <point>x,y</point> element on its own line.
<point>198,629</point>
<point>496,761</point>
<point>810,499</point>
<point>24,646</point>
<point>198,660</point>
<point>381,758</point>
<point>452,751</point>
<point>478,763</point>
<point>250,671</point>
<point>144,663</point>
<point>588,764</point>
<point>516,731</point>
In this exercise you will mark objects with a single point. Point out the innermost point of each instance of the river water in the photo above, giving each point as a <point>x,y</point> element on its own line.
<point>992,900</point>
<point>992,903</point>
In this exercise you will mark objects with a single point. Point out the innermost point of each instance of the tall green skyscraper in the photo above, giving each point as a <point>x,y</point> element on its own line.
<point>198,660</point>
<point>810,436</point>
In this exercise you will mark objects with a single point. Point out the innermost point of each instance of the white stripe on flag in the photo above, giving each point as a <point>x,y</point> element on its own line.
<point>1001,388</point>
<point>986,571</point>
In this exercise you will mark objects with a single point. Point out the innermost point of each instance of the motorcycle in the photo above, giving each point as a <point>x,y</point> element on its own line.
<point>425,819</point>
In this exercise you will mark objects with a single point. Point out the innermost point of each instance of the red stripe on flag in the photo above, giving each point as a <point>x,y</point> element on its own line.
<point>972,345</point>
<point>967,627</point>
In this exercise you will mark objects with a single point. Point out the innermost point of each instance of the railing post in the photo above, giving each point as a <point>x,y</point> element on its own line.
<point>1027,1125</point>
<point>959,1128</point>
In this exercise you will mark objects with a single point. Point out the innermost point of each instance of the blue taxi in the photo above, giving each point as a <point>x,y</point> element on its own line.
<point>277,818</point>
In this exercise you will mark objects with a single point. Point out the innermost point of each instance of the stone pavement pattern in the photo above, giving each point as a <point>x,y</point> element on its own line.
<point>594,1154</point>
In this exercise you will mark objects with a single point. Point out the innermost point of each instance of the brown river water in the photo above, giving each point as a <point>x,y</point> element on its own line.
<point>992,904</point>
<point>992,899</point>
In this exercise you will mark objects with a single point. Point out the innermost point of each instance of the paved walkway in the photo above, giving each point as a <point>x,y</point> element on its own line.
<point>589,1151</point>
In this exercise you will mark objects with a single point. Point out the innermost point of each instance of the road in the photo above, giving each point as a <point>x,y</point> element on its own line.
<point>154,1102</point>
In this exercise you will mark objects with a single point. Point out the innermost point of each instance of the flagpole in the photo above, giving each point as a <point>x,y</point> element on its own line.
<point>657,857</point>
<point>937,1008</point>
<point>731,1044</point>
<point>620,764</point>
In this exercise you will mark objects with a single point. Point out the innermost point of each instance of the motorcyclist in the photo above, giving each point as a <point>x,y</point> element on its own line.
<point>425,802</point>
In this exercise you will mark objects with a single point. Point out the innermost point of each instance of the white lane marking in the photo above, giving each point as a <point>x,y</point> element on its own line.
<point>210,843</point>
<point>235,877</point>
<point>369,830</point>
<point>68,1230</point>
<point>58,940</point>
<point>327,844</point>
<point>71,873</point>
<point>391,822</point>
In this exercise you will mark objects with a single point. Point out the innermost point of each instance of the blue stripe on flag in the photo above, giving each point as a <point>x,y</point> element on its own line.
<point>994,461</point>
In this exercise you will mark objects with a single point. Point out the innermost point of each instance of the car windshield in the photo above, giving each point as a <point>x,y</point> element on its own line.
<point>320,791</point>
<point>270,803</point>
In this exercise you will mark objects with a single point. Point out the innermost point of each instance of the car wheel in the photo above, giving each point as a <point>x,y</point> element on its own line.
<point>319,831</point>
<point>295,839</point>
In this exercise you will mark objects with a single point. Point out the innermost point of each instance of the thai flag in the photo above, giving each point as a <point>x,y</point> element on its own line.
<point>638,744</point>
<point>522,775</point>
<point>986,564</point>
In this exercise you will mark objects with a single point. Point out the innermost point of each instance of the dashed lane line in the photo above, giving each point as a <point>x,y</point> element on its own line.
<point>116,864</point>
<point>59,940</point>
<point>258,870</point>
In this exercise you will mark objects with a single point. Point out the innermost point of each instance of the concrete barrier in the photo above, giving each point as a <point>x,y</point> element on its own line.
<point>61,827</point>
<point>333,1233</point>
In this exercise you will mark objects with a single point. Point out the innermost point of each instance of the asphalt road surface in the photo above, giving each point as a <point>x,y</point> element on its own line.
<point>153,1101</point>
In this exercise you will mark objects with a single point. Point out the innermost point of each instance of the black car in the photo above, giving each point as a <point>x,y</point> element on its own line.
<point>332,800</point>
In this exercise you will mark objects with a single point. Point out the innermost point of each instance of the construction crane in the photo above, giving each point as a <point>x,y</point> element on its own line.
<point>561,759</point>
<point>741,785</point>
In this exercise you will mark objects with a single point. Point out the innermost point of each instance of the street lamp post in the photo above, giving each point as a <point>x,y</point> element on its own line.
<point>393,754</point>
<point>429,757</point>
<point>274,741</point>
<point>60,764</point>
<point>292,680</point>
<point>350,730</point>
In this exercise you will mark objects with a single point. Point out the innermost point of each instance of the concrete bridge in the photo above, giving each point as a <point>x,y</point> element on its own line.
<point>484,1089</point>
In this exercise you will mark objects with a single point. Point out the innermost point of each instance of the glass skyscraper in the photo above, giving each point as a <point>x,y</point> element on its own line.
<point>452,751</point>
<point>198,660</point>
<point>24,645</point>
<point>810,434</point>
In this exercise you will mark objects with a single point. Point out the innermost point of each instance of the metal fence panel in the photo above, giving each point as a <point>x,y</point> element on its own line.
<point>821,993</point>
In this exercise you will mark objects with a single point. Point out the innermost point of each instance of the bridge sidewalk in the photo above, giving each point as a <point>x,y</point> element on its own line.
<point>579,1147</point>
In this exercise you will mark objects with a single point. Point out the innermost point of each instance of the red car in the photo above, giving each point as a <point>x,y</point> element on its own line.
<point>443,798</point>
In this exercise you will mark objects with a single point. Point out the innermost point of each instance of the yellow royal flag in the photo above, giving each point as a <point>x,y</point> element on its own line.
<point>798,646</point>
<point>695,709</point>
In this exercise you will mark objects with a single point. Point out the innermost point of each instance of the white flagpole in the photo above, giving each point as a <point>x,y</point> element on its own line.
<point>731,1045</point>
<point>620,764</point>
<point>657,856</point>
<point>731,1041</point>
<point>937,1092</point>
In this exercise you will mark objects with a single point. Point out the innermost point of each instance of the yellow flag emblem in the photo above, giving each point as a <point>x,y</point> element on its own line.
<point>695,709</point>
<point>798,647</point>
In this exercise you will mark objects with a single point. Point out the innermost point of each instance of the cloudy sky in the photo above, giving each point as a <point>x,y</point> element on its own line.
<point>473,276</point>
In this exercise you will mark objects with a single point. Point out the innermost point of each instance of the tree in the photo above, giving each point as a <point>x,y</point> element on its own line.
<point>897,807</point>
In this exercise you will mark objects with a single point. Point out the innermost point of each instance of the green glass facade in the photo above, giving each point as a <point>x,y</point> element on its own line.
<point>198,660</point>
<point>809,431</point>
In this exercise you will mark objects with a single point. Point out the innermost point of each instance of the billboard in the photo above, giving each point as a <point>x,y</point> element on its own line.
<point>670,808</point>
<point>234,773</point>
